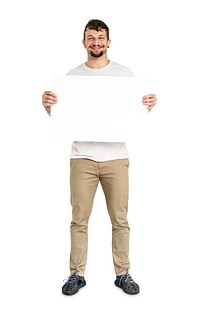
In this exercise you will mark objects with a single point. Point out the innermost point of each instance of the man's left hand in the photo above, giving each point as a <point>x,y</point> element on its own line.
<point>149,101</point>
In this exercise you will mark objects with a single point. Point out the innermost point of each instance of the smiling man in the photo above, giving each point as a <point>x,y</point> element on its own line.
<point>94,162</point>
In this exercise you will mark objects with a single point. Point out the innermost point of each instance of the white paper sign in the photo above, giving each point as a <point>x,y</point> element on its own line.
<point>96,108</point>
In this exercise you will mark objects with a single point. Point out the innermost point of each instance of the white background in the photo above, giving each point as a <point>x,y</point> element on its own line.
<point>154,38</point>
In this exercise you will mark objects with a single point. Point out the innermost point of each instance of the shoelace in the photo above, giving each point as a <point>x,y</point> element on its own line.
<point>127,278</point>
<point>71,279</point>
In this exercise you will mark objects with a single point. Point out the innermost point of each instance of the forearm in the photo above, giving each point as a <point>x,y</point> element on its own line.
<point>48,110</point>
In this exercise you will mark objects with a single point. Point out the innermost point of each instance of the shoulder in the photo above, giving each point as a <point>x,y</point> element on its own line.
<point>120,69</point>
<point>79,70</point>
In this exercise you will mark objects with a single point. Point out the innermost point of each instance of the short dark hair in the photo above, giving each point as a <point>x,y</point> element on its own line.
<point>97,25</point>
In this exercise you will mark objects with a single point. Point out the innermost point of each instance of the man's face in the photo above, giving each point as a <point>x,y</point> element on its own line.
<point>96,42</point>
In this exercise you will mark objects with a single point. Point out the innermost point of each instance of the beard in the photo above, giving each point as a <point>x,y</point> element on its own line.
<point>97,55</point>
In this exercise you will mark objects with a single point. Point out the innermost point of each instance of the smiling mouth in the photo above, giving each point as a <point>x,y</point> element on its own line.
<point>96,48</point>
<point>96,51</point>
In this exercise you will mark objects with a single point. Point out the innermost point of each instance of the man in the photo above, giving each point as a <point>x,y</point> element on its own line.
<point>94,162</point>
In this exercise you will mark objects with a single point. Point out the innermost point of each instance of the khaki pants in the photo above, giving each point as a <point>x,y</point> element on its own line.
<point>84,178</point>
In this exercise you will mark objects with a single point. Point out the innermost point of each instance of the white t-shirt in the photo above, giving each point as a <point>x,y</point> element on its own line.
<point>100,151</point>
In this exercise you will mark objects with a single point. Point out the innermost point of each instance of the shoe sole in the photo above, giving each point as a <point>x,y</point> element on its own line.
<point>119,286</point>
<point>79,287</point>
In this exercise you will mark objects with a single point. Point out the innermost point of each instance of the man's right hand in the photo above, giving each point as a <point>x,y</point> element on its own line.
<point>49,98</point>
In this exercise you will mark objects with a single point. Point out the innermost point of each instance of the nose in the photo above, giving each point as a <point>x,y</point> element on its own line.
<point>96,42</point>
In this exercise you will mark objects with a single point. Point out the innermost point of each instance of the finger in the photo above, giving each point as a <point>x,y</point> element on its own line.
<point>149,101</point>
<point>50,93</point>
<point>48,99</point>
<point>149,97</point>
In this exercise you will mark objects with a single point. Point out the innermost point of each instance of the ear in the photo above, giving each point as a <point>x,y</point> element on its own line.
<point>108,44</point>
<point>83,41</point>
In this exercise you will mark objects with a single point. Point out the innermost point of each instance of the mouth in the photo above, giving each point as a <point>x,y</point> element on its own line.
<point>96,48</point>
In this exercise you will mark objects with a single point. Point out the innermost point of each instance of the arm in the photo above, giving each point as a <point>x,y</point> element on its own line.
<point>48,100</point>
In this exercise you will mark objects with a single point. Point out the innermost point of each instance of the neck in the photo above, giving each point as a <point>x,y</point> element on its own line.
<point>97,63</point>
